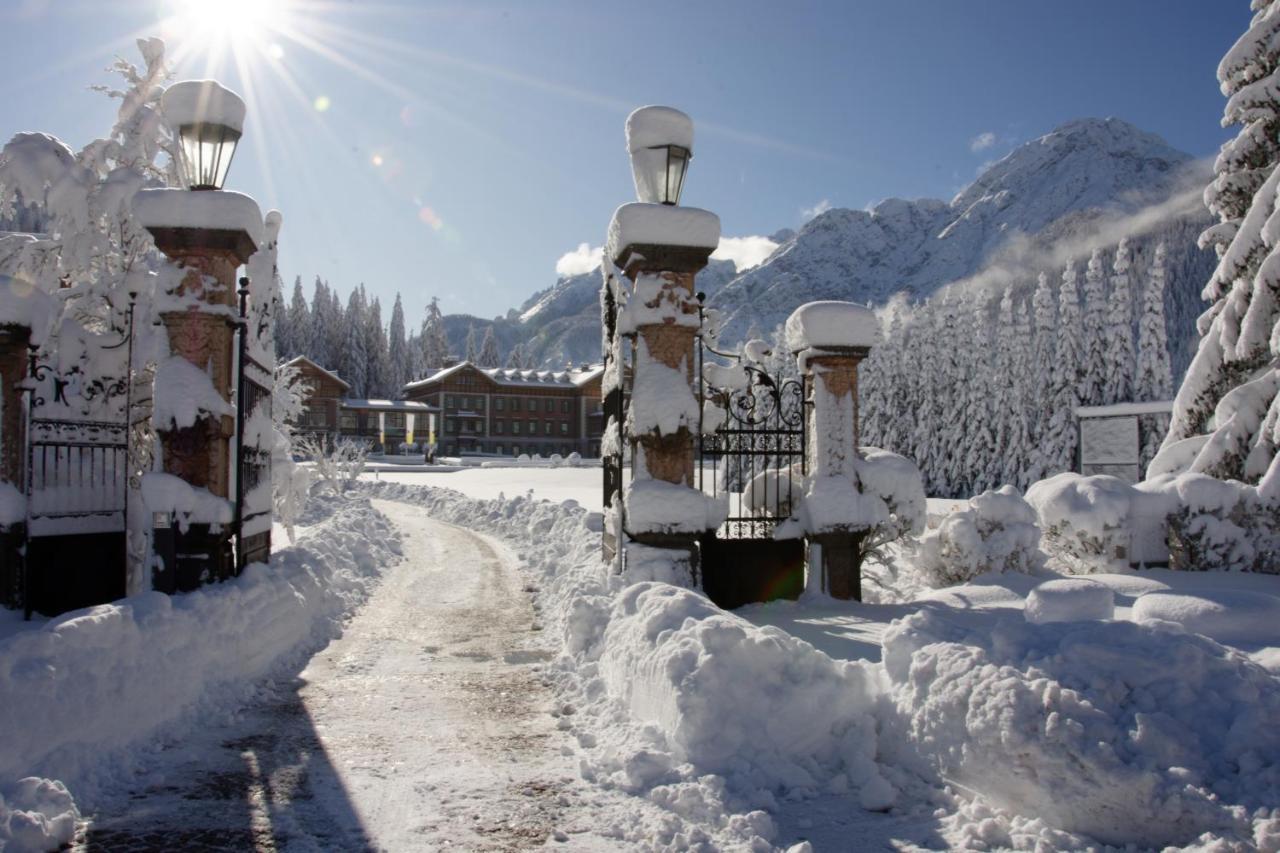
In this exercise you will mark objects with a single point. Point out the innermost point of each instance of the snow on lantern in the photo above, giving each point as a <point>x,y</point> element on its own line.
<point>207,118</point>
<point>660,141</point>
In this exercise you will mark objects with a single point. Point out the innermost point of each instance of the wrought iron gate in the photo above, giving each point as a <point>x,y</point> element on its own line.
<point>755,459</point>
<point>77,474</point>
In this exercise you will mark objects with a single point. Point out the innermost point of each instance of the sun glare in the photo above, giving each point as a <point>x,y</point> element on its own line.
<point>240,26</point>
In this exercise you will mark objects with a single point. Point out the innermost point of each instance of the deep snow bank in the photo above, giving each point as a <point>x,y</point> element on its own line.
<point>81,693</point>
<point>1122,732</point>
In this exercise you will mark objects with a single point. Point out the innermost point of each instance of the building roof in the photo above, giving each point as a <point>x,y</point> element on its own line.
<point>510,377</point>
<point>388,405</point>
<point>1115,410</point>
<point>335,377</point>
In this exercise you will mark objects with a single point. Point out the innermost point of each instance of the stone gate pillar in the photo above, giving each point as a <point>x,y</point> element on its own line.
<point>660,249</point>
<point>829,340</point>
<point>208,235</point>
<point>13,463</point>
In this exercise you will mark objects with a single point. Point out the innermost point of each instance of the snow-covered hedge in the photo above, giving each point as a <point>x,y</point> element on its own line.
<point>995,532</point>
<point>1085,521</point>
<point>1127,733</point>
<point>80,692</point>
<point>1220,525</point>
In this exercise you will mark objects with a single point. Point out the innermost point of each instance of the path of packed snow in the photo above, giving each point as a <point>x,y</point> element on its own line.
<point>426,725</point>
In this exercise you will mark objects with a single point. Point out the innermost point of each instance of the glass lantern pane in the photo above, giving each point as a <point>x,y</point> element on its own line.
<point>677,165</point>
<point>649,167</point>
<point>206,151</point>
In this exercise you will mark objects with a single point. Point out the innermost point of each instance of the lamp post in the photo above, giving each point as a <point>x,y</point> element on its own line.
<point>658,247</point>
<point>208,232</point>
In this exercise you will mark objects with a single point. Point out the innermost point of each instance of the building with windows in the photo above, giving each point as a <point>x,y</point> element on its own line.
<point>509,412</point>
<point>385,425</point>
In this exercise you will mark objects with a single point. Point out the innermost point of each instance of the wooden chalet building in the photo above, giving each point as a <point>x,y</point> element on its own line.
<point>383,424</point>
<point>508,412</point>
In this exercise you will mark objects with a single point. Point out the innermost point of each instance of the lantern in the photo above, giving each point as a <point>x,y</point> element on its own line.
<point>206,119</point>
<point>660,141</point>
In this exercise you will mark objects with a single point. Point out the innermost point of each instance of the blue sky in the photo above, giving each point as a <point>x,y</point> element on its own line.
<point>459,149</point>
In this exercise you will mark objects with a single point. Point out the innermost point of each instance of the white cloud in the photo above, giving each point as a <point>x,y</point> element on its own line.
<point>745,252</point>
<point>581,260</point>
<point>982,142</point>
<point>817,210</point>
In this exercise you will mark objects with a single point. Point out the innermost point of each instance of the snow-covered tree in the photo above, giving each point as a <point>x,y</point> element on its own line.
<point>1017,449</point>
<point>1058,444</point>
<point>398,350</point>
<point>1094,360</point>
<point>1228,401</point>
<point>1041,388</point>
<point>1153,380</point>
<point>378,378</point>
<point>300,325</point>
<point>472,345</point>
<point>435,342</point>
<point>516,357</point>
<point>353,363</point>
<point>489,355</point>
<point>982,415</point>
<point>1117,383</point>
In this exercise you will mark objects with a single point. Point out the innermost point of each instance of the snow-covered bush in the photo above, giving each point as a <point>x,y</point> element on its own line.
<point>1085,521</point>
<point>996,532</point>
<point>338,466</point>
<point>1220,524</point>
<point>290,482</point>
<point>37,814</point>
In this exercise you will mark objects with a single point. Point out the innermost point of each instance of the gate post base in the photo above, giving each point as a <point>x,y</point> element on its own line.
<point>667,557</point>
<point>833,565</point>
<point>12,580</point>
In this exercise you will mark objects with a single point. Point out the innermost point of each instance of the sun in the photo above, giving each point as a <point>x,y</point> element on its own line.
<point>234,24</point>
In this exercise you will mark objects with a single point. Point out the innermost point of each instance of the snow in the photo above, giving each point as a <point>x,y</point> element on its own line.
<point>1070,600</point>
<point>656,506</point>
<point>184,394</point>
<point>13,504</point>
<point>216,210</point>
<point>821,325</point>
<point>1227,615</point>
<point>661,399</point>
<point>24,304</point>
<point>1128,733</point>
<point>83,694</point>
<point>995,531</point>
<point>1159,407</point>
<point>654,125</point>
<point>1084,519</point>
<point>192,505</point>
<point>643,223</point>
<point>202,101</point>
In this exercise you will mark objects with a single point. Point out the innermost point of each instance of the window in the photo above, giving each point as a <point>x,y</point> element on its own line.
<point>515,427</point>
<point>515,449</point>
<point>449,426</point>
<point>564,407</point>
<point>348,420</point>
<point>564,427</point>
<point>515,404</point>
<point>499,404</point>
<point>546,427</point>
<point>498,449</point>
<point>395,420</point>
<point>533,427</point>
<point>498,427</point>
<point>549,406</point>
<point>466,425</point>
<point>314,418</point>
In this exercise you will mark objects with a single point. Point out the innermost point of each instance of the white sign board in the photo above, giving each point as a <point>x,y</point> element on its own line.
<point>1109,445</point>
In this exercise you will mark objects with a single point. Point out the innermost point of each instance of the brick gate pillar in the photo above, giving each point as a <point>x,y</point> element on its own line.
<point>13,463</point>
<point>208,235</point>
<point>829,340</point>
<point>659,249</point>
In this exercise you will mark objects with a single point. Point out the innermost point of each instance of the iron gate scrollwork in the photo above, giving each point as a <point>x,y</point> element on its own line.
<point>252,522</point>
<point>755,459</point>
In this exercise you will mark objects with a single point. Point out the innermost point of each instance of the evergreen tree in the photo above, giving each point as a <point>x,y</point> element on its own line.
<point>379,379</point>
<point>416,367</point>
<point>286,346</point>
<point>1119,364</point>
<point>322,320</point>
<point>473,344</point>
<point>1093,377</point>
<point>398,351</point>
<point>435,342</point>
<point>515,359</point>
<point>1153,381</point>
<point>353,364</point>
<point>1016,452</point>
<point>1233,378</point>
<point>981,415</point>
<point>1041,392</point>
<point>489,355</point>
<point>300,324</point>
<point>1058,446</point>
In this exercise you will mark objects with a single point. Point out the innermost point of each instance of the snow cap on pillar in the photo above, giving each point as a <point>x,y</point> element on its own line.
<point>832,326</point>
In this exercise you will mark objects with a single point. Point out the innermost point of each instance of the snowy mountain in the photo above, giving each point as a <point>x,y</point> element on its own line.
<point>1087,183</point>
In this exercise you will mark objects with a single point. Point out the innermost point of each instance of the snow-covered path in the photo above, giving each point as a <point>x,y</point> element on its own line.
<point>425,726</point>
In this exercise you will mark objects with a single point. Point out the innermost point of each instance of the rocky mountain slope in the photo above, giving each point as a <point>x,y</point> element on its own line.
<point>1087,183</point>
